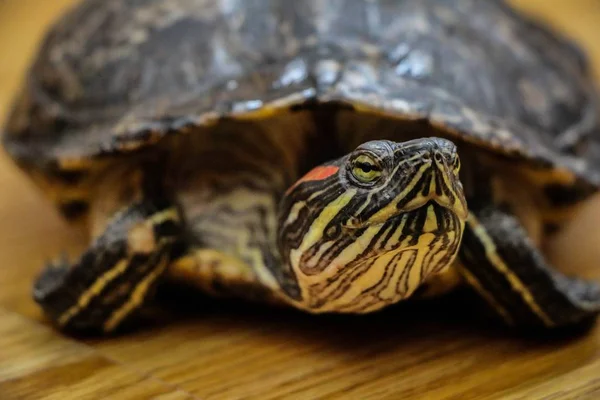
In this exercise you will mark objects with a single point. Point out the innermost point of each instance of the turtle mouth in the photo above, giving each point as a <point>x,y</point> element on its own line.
<point>459,210</point>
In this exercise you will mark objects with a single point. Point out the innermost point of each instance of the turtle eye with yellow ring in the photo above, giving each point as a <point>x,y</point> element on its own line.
<point>366,169</point>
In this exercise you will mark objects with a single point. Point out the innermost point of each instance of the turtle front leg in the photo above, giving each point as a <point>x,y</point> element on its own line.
<point>115,275</point>
<point>502,264</point>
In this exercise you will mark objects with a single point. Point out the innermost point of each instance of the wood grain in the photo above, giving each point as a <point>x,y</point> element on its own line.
<point>222,350</point>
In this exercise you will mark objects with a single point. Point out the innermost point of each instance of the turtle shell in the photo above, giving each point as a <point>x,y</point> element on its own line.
<point>114,77</point>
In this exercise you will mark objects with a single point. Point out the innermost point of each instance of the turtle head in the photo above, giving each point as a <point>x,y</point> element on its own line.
<point>366,230</point>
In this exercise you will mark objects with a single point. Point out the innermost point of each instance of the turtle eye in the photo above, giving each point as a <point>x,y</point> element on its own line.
<point>365,169</point>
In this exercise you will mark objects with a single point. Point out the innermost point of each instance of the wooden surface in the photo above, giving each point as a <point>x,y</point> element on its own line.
<point>214,350</point>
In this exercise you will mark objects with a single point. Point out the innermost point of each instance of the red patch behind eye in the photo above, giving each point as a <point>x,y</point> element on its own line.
<point>316,174</point>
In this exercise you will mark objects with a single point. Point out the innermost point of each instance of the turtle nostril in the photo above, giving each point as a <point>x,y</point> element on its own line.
<point>438,157</point>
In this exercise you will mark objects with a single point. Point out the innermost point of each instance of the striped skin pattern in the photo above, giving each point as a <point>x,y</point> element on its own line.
<point>116,275</point>
<point>356,246</point>
<point>515,280</point>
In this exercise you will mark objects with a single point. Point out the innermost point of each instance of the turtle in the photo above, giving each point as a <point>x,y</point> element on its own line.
<point>334,157</point>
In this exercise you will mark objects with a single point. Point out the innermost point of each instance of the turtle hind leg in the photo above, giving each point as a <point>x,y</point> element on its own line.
<point>503,265</point>
<point>115,275</point>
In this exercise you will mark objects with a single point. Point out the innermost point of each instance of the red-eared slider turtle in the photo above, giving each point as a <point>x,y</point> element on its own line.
<point>308,152</point>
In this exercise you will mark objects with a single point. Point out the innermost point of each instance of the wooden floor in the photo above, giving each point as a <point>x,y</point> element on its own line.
<point>215,350</point>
